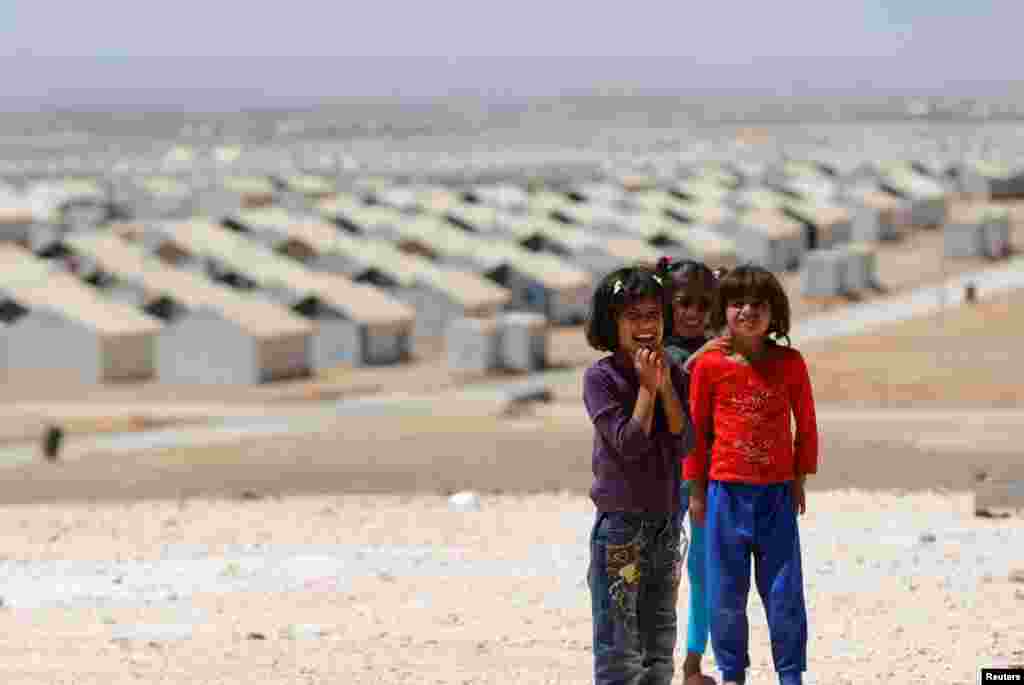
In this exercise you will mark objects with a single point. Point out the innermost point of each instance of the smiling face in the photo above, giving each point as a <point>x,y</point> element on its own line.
<point>690,307</point>
<point>640,324</point>
<point>748,318</point>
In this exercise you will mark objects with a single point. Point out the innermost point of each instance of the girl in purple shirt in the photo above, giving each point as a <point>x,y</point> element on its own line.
<point>636,400</point>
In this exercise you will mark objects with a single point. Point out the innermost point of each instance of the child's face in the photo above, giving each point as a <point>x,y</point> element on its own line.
<point>641,324</point>
<point>748,317</point>
<point>690,307</point>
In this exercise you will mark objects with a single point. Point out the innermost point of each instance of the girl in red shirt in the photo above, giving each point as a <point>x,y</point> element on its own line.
<point>748,483</point>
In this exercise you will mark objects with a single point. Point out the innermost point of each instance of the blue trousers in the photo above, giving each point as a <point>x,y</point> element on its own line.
<point>634,574</point>
<point>696,565</point>
<point>759,522</point>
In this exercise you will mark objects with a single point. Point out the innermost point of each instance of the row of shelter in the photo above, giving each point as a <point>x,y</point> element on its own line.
<point>292,275</point>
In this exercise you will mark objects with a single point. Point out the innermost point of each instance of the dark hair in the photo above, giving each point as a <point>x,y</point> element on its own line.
<point>614,293</point>
<point>750,280</point>
<point>679,274</point>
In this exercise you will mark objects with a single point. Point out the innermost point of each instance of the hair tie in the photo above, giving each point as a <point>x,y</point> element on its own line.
<point>664,262</point>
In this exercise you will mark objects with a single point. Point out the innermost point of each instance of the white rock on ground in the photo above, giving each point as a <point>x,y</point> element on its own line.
<point>420,593</point>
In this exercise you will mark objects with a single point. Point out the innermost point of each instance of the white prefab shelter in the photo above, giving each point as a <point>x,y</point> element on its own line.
<point>814,188</point>
<point>861,266</point>
<point>842,270</point>
<point>610,194</point>
<point>599,218</point>
<point>715,172</point>
<point>703,213</point>
<point>768,238</point>
<point>15,218</point>
<point>212,334</point>
<point>701,190</point>
<point>707,245</point>
<point>544,202</point>
<point>538,282</point>
<point>437,295</point>
<point>656,201</point>
<point>355,324</point>
<point>321,246</point>
<point>366,220</point>
<point>441,296</point>
<point>825,225</point>
<point>506,197</point>
<point>633,182</point>
<point>978,179</point>
<point>338,208</point>
<point>823,273</point>
<point>978,231</point>
<point>56,323</point>
<point>682,239</point>
<point>621,251</point>
<point>302,192</point>
<point>472,345</point>
<point>541,283</point>
<point>402,198</point>
<point>153,197</point>
<point>758,198</point>
<point>597,255</point>
<point>877,215</point>
<point>70,202</point>
<point>1008,184</point>
<point>522,341</point>
<point>474,218</point>
<point>436,199</point>
<point>926,197</point>
<point>231,193</point>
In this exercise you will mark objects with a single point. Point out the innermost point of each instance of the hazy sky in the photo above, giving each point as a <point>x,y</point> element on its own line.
<point>716,43</point>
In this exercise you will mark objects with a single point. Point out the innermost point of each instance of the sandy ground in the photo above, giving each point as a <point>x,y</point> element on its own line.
<point>966,357</point>
<point>960,358</point>
<point>910,406</point>
<point>901,588</point>
<point>425,595</point>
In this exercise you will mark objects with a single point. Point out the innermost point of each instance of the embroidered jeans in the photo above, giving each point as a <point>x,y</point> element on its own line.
<point>634,574</point>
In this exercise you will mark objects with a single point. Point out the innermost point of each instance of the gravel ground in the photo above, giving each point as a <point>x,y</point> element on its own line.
<point>389,589</point>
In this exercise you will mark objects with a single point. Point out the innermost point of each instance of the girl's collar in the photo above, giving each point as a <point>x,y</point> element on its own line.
<point>764,353</point>
<point>624,363</point>
<point>685,339</point>
<point>622,359</point>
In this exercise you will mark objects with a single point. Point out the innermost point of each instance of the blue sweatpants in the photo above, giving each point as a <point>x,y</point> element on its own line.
<point>696,565</point>
<point>758,521</point>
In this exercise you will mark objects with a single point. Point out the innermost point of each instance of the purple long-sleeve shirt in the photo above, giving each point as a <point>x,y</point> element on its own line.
<point>633,472</point>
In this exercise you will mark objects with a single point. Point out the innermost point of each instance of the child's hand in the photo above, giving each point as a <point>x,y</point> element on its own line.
<point>799,496</point>
<point>666,374</point>
<point>650,367</point>
<point>723,344</point>
<point>698,508</point>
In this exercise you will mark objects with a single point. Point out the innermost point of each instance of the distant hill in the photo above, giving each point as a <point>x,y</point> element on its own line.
<point>229,83</point>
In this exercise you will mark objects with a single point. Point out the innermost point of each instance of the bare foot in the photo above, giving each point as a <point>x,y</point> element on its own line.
<point>691,671</point>
<point>698,679</point>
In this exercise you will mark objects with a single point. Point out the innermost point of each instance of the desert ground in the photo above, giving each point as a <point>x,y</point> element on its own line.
<point>334,556</point>
<point>907,588</point>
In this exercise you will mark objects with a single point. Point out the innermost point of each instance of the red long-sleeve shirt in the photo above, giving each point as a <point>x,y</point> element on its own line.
<point>747,408</point>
